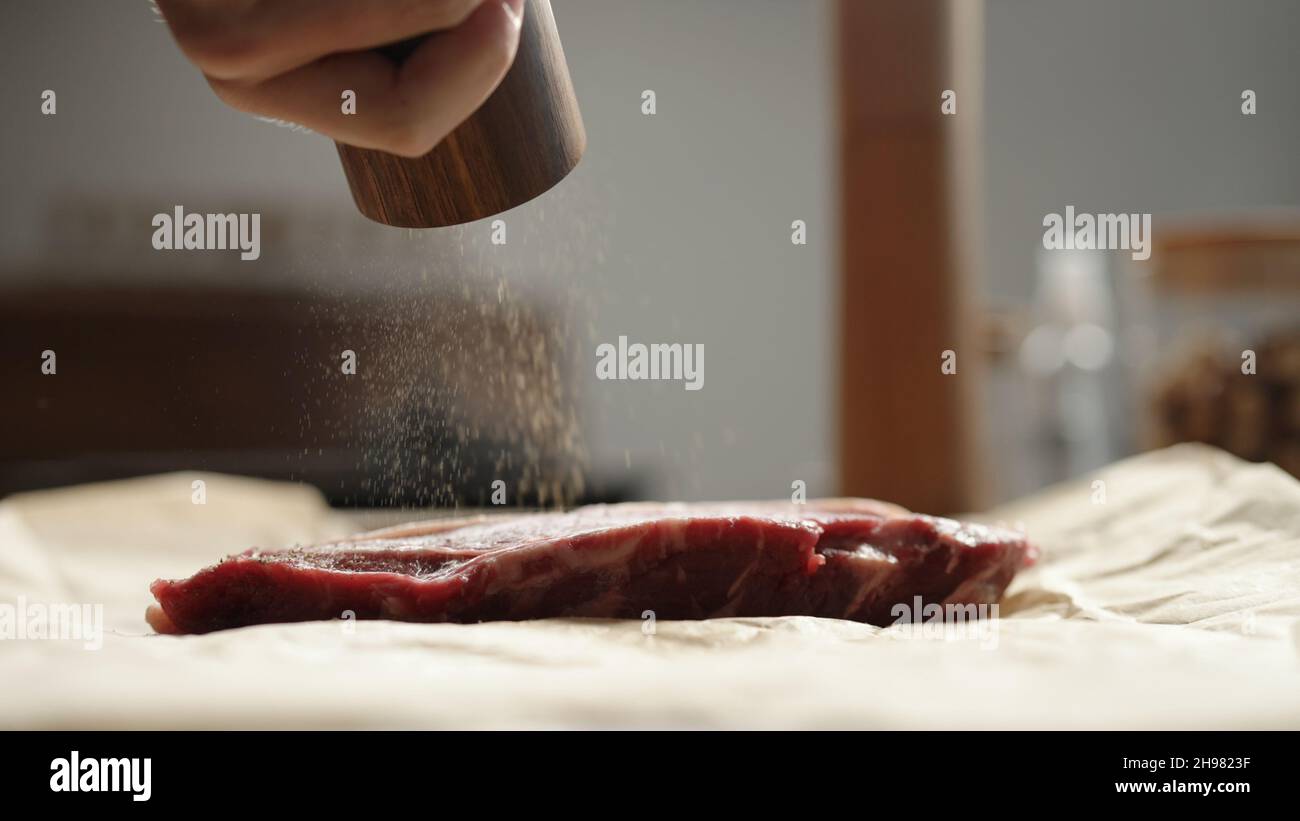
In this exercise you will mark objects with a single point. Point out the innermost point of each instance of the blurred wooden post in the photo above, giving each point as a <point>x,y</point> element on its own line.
<point>909,234</point>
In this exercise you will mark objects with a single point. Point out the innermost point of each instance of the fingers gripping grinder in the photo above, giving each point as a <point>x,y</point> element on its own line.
<point>523,140</point>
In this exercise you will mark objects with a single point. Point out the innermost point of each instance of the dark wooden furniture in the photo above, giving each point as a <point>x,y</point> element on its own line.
<point>154,379</point>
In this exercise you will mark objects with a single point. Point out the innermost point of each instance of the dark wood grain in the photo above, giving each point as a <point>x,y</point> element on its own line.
<point>526,138</point>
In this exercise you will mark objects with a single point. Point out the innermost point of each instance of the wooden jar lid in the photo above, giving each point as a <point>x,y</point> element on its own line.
<point>1230,255</point>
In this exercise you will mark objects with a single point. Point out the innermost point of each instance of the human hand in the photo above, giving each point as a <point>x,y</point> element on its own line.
<point>293,59</point>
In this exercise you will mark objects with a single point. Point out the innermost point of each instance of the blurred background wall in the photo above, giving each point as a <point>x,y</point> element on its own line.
<point>675,227</point>
<point>1110,105</point>
<point>1120,107</point>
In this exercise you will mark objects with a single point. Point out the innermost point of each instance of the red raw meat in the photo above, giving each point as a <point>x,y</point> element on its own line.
<point>847,558</point>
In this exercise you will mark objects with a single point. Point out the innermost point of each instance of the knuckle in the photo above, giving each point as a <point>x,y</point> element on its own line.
<point>409,137</point>
<point>454,12</point>
<point>501,45</point>
<point>423,15</point>
<point>225,51</point>
<point>503,53</point>
<point>231,93</point>
<point>462,9</point>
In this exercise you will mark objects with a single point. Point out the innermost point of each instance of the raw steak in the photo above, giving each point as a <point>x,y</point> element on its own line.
<point>841,558</point>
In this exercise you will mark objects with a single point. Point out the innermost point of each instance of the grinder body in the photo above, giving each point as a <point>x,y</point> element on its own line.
<point>523,140</point>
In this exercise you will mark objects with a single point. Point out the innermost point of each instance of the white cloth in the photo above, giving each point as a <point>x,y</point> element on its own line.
<point>1175,603</point>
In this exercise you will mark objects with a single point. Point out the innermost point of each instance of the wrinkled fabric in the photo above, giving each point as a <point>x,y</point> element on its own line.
<point>1167,596</point>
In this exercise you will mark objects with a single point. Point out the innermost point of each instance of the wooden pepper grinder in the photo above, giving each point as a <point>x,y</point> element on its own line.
<point>524,139</point>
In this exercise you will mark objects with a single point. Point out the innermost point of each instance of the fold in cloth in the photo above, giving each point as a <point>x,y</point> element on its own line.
<point>1167,596</point>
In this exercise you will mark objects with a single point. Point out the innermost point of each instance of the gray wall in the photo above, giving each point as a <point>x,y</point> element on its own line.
<point>674,228</point>
<point>1120,106</point>
<point>1115,105</point>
